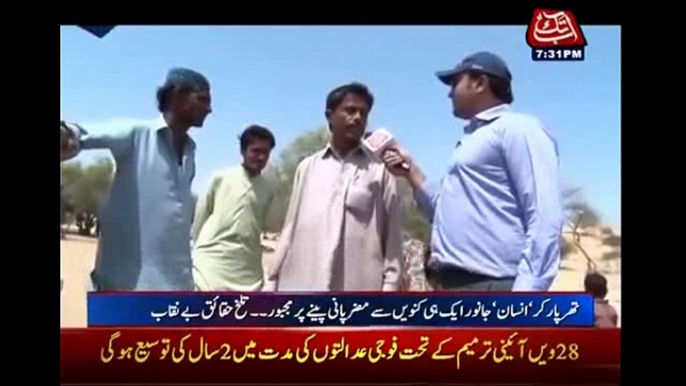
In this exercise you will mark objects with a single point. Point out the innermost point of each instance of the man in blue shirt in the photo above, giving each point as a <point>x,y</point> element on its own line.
<point>145,232</point>
<point>496,214</point>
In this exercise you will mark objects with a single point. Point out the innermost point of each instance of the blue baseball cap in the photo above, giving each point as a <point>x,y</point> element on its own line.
<point>486,62</point>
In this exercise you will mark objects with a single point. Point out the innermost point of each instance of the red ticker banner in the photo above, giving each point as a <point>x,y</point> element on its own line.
<point>325,355</point>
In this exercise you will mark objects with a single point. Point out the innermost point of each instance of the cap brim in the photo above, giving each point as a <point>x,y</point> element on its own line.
<point>447,76</point>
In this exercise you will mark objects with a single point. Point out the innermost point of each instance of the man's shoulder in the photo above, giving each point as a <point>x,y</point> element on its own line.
<point>525,124</point>
<point>232,169</point>
<point>318,153</point>
<point>308,159</point>
<point>603,303</point>
<point>521,121</point>
<point>141,132</point>
<point>228,172</point>
<point>219,175</point>
<point>605,313</point>
<point>143,129</point>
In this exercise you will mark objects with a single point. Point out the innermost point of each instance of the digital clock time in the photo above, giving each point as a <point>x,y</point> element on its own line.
<point>555,54</point>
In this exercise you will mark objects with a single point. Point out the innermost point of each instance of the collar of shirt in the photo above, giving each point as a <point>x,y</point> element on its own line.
<point>189,146</point>
<point>247,175</point>
<point>329,150</point>
<point>487,116</point>
<point>493,112</point>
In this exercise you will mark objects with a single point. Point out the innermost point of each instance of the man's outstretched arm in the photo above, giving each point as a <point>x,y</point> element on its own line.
<point>74,138</point>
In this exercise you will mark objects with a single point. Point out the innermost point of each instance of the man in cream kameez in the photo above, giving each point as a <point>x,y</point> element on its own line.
<point>342,230</point>
<point>230,218</point>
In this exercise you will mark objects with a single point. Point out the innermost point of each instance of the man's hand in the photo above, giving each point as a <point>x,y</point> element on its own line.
<point>397,162</point>
<point>269,285</point>
<point>69,146</point>
<point>400,164</point>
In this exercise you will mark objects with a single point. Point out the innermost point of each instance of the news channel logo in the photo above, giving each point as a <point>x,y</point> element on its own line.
<point>555,35</point>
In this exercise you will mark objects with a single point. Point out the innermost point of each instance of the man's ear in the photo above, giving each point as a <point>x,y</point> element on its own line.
<point>328,114</point>
<point>173,97</point>
<point>178,95</point>
<point>482,83</point>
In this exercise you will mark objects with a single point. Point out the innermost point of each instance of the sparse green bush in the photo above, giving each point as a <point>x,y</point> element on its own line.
<point>611,255</point>
<point>612,241</point>
<point>567,248</point>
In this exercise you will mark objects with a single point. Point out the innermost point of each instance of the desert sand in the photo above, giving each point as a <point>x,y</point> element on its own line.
<point>78,255</point>
<point>78,258</point>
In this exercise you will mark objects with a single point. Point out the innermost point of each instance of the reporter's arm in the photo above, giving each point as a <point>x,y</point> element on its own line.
<point>424,193</point>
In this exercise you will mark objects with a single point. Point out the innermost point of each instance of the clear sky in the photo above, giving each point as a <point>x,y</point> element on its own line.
<point>279,77</point>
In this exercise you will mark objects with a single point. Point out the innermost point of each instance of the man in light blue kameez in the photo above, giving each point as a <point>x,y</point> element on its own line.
<point>145,231</point>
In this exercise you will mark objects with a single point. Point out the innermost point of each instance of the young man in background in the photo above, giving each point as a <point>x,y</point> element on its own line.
<point>230,218</point>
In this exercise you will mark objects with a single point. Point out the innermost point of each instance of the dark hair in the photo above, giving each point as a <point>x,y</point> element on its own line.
<point>336,96</point>
<point>256,131</point>
<point>596,285</point>
<point>164,93</point>
<point>500,88</point>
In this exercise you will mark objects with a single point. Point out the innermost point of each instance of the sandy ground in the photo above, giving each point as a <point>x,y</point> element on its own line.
<point>78,258</point>
<point>78,255</point>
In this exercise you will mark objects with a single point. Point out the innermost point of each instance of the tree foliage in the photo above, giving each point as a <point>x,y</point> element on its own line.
<point>612,240</point>
<point>611,255</point>
<point>568,247</point>
<point>85,189</point>
<point>576,207</point>
<point>303,146</point>
<point>283,173</point>
<point>580,215</point>
<point>414,224</point>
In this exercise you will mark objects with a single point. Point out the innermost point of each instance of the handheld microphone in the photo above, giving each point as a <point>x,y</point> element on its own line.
<point>379,141</point>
